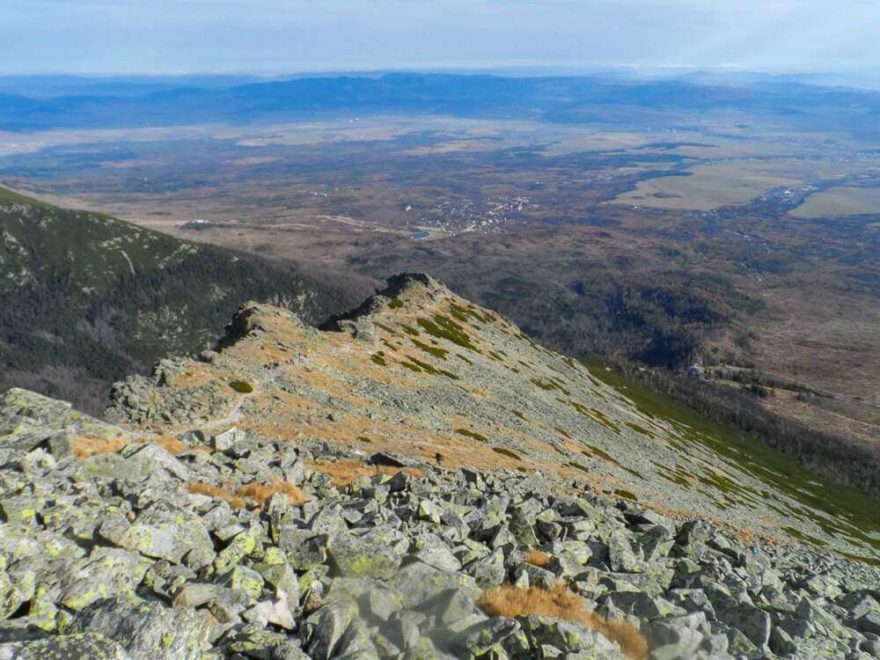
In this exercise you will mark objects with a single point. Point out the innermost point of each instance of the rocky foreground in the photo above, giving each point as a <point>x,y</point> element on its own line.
<point>237,546</point>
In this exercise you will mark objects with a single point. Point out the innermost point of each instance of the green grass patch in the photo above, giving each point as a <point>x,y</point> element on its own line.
<point>803,537</point>
<point>443,327</point>
<point>378,359</point>
<point>504,451</point>
<point>412,362</point>
<point>620,492</point>
<point>582,468</point>
<point>840,511</point>
<point>675,475</point>
<point>241,386</point>
<point>596,415</point>
<point>639,429</point>
<point>396,303</point>
<point>547,385</point>
<point>464,315</point>
<point>472,434</point>
<point>431,350</point>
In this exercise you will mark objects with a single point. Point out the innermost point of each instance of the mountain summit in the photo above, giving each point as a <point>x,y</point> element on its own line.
<point>415,478</point>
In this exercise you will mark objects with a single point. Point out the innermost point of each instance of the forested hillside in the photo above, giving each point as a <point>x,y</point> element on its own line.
<point>88,298</point>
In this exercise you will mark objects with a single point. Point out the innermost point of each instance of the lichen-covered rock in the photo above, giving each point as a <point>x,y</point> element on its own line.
<point>164,537</point>
<point>107,572</point>
<point>368,555</point>
<point>145,629</point>
<point>118,555</point>
<point>93,646</point>
<point>325,628</point>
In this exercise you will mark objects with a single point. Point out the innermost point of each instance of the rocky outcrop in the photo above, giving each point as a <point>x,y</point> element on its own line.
<point>140,553</point>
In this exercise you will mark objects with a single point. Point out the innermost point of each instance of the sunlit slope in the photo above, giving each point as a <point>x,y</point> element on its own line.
<point>419,371</point>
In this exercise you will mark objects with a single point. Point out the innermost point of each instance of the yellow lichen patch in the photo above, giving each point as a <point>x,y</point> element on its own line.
<point>560,603</point>
<point>343,472</point>
<point>87,447</point>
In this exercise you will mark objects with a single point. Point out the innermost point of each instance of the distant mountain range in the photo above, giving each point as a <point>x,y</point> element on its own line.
<point>33,106</point>
<point>88,298</point>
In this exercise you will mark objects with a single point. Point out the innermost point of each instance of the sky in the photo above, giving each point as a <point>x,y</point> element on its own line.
<point>292,36</point>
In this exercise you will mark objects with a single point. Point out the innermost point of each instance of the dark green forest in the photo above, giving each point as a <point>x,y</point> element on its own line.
<point>78,314</point>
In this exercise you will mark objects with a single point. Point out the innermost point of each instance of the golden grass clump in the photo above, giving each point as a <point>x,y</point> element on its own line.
<point>201,488</point>
<point>560,603</point>
<point>254,495</point>
<point>261,492</point>
<point>344,472</point>
<point>537,557</point>
<point>169,443</point>
<point>87,447</point>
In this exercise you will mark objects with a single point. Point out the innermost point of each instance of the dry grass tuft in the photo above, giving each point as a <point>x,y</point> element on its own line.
<point>537,557</point>
<point>746,536</point>
<point>201,488</point>
<point>253,495</point>
<point>560,603</point>
<point>344,472</point>
<point>261,492</point>
<point>169,443</point>
<point>86,447</point>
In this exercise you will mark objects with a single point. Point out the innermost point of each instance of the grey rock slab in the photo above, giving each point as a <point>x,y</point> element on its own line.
<point>168,540</point>
<point>484,637</point>
<point>383,603</point>
<point>621,556</point>
<point>439,557</point>
<point>488,571</point>
<point>107,572</point>
<point>643,605</point>
<point>146,629</point>
<point>65,647</point>
<point>325,628</point>
<point>420,583</point>
<point>365,555</point>
<point>869,622</point>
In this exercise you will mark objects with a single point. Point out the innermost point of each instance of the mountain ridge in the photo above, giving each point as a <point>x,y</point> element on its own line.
<point>415,478</point>
<point>418,370</point>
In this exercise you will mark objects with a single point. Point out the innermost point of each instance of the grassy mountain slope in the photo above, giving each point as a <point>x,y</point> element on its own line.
<point>89,298</point>
<point>419,371</point>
